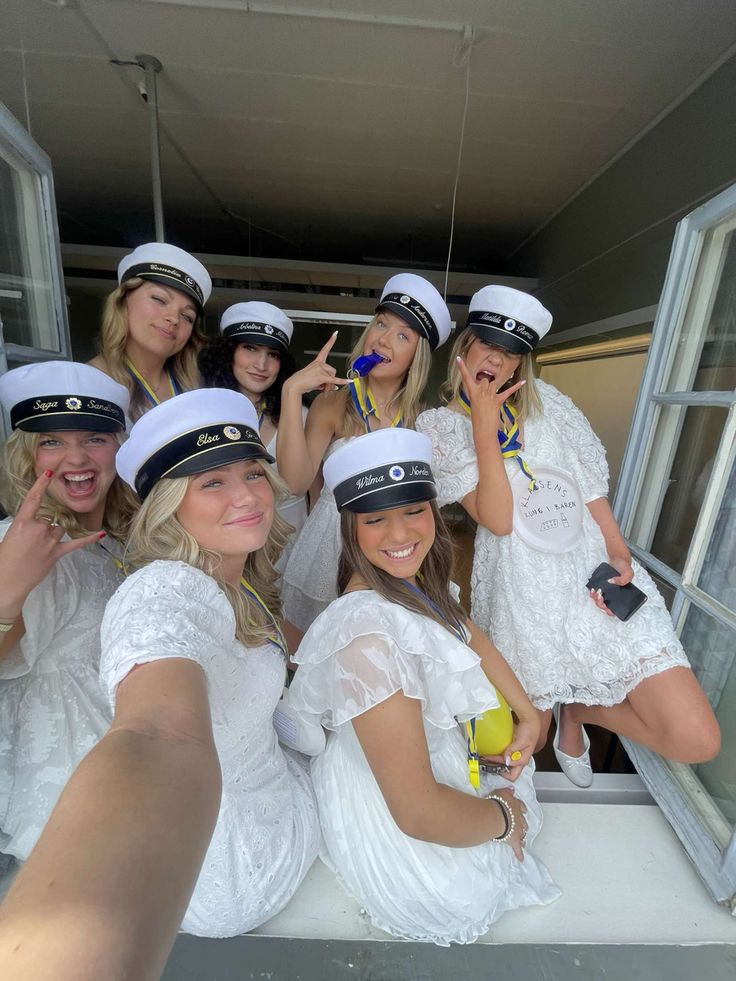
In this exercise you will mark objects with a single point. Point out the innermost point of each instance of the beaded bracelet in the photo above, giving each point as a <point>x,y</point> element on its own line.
<point>508,817</point>
<point>6,627</point>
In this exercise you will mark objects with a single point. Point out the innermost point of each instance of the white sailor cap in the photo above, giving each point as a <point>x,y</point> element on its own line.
<point>388,468</point>
<point>261,323</point>
<point>190,433</point>
<point>169,265</point>
<point>416,301</point>
<point>509,318</point>
<point>53,396</point>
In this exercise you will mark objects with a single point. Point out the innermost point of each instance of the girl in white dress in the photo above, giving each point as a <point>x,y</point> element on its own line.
<point>191,642</point>
<point>391,360</point>
<point>152,324</point>
<point>538,493</point>
<point>392,668</point>
<point>58,568</point>
<point>252,357</point>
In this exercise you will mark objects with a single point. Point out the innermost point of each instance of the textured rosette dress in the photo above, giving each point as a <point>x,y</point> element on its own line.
<point>528,588</point>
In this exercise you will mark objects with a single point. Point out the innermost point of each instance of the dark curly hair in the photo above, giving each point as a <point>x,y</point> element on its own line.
<point>216,367</point>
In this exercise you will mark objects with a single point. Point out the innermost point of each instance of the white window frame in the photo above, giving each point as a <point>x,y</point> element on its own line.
<point>706,835</point>
<point>20,146</point>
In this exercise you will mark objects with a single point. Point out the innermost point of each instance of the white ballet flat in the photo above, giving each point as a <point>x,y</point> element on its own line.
<point>577,769</point>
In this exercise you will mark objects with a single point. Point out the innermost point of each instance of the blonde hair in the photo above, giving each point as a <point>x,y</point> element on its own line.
<point>114,336</point>
<point>526,401</point>
<point>408,401</point>
<point>18,475</point>
<point>156,533</point>
<point>436,572</point>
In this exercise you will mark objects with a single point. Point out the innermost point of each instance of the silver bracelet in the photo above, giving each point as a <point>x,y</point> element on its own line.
<point>509,815</point>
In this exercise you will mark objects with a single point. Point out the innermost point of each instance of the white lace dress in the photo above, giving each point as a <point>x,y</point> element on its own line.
<point>356,654</point>
<point>310,577</point>
<point>534,604</point>
<point>267,832</point>
<point>52,707</point>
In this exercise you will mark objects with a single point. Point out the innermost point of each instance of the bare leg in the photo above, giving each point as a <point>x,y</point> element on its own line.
<point>667,713</point>
<point>545,717</point>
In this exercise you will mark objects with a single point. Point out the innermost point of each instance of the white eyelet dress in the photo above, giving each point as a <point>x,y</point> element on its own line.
<point>360,651</point>
<point>267,832</point>
<point>534,604</point>
<point>309,582</point>
<point>52,707</point>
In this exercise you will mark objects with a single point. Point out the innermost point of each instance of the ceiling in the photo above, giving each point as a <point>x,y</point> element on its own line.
<point>330,131</point>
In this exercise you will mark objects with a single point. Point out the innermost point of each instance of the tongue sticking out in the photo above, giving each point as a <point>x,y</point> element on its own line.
<point>485,376</point>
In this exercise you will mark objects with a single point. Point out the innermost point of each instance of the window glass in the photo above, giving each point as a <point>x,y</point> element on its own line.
<point>718,575</point>
<point>675,481</point>
<point>711,648</point>
<point>26,296</point>
<point>705,351</point>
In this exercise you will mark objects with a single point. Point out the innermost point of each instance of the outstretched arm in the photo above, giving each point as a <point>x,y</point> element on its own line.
<point>106,887</point>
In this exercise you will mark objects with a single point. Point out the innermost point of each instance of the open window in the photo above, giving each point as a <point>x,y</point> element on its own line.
<point>676,503</point>
<point>33,319</point>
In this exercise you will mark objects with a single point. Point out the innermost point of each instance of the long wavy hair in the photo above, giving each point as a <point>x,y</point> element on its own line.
<point>436,573</point>
<point>156,533</point>
<point>113,338</point>
<point>216,367</point>
<point>526,401</point>
<point>18,475</point>
<point>408,401</point>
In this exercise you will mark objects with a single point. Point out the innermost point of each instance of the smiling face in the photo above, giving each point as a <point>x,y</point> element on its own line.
<point>395,341</point>
<point>255,367</point>
<point>397,541</point>
<point>491,362</point>
<point>229,511</point>
<point>160,320</point>
<point>84,469</point>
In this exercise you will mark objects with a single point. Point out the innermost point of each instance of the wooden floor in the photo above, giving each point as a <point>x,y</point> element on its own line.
<point>606,753</point>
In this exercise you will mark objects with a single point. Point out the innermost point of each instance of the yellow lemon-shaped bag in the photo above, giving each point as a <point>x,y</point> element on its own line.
<point>494,730</point>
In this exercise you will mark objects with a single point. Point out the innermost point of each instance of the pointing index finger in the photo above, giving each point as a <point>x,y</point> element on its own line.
<point>324,351</point>
<point>33,498</point>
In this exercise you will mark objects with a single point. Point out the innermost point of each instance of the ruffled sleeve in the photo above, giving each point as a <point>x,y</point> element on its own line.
<point>454,463</point>
<point>166,609</point>
<point>585,454</point>
<point>48,608</point>
<point>363,649</point>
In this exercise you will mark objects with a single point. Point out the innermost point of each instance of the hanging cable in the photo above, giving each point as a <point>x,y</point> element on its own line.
<point>462,56</point>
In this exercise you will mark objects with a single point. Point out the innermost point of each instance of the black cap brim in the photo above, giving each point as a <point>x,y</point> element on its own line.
<point>396,496</point>
<point>501,338</point>
<point>180,286</point>
<point>71,422</point>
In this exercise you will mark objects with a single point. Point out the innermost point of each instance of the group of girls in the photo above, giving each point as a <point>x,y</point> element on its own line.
<point>173,539</point>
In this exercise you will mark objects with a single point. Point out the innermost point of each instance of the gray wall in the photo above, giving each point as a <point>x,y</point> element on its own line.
<point>606,252</point>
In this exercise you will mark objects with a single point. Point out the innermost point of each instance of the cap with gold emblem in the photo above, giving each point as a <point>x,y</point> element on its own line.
<point>54,396</point>
<point>190,433</point>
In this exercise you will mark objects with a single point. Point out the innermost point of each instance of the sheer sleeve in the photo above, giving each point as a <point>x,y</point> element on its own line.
<point>454,463</point>
<point>167,609</point>
<point>363,649</point>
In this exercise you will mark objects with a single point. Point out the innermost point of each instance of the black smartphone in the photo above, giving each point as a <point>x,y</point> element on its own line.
<point>622,601</point>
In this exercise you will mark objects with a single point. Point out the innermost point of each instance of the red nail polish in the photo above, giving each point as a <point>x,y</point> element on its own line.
<point>48,473</point>
<point>103,534</point>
